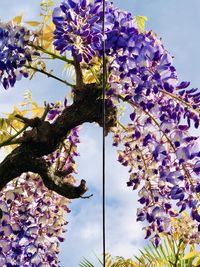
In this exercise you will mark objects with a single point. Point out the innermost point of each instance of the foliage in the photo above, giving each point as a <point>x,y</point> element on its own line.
<point>169,253</point>
<point>173,251</point>
<point>10,128</point>
<point>111,262</point>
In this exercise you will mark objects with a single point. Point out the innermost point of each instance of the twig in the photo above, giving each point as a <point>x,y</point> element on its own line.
<point>87,197</point>
<point>46,111</point>
<point>49,75</point>
<point>63,58</point>
<point>9,141</point>
<point>177,254</point>
<point>122,126</point>
<point>179,99</point>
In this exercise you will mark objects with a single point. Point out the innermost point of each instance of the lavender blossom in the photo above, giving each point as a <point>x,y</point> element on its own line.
<point>14,54</point>
<point>77,28</point>
<point>33,223</point>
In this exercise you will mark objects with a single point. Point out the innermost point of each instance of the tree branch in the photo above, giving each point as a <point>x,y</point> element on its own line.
<point>45,138</point>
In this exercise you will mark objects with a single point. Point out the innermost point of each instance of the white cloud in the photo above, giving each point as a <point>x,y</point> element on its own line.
<point>90,229</point>
<point>124,234</point>
<point>84,233</point>
<point>30,9</point>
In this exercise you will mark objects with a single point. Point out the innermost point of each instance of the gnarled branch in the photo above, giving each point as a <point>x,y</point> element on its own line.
<point>45,138</point>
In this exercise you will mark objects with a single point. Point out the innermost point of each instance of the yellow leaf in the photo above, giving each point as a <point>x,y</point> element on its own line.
<point>182,247</point>
<point>192,247</point>
<point>46,36</point>
<point>185,214</point>
<point>191,255</point>
<point>197,262</point>
<point>17,19</point>
<point>33,23</point>
<point>47,18</point>
<point>48,31</point>
<point>38,111</point>
<point>141,21</point>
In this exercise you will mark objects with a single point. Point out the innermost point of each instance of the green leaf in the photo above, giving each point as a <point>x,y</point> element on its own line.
<point>86,263</point>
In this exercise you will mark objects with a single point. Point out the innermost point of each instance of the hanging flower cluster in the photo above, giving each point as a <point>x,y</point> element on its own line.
<point>162,155</point>
<point>14,54</point>
<point>77,28</point>
<point>32,224</point>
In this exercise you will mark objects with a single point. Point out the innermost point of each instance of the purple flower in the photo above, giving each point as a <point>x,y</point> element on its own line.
<point>183,85</point>
<point>78,28</point>
<point>196,169</point>
<point>141,216</point>
<point>157,240</point>
<point>177,193</point>
<point>14,54</point>
<point>29,237</point>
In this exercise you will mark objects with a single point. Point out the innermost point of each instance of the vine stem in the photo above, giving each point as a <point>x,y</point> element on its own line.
<point>179,99</point>
<point>79,74</point>
<point>63,58</point>
<point>121,125</point>
<point>49,75</point>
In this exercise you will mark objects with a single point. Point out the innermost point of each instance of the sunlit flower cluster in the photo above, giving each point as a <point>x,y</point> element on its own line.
<point>14,54</point>
<point>186,229</point>
<point>77,28</point>
<point>32,225</point>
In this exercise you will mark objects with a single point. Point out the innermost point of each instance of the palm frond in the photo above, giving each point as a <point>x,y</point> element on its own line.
<point>168,254</point>
<point>86,263</point>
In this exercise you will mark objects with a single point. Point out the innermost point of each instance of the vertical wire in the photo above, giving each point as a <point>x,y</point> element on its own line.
<point>103,137</point>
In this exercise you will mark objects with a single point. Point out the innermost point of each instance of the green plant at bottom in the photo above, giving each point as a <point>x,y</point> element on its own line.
<point>176,250</point>
<point>111,262</point>
<point>168,254</point>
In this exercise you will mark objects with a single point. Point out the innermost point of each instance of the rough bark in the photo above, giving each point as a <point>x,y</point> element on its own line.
<point>44,138</point>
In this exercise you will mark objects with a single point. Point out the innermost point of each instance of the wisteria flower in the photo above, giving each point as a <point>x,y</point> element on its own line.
<point>33,223</point>
<point>77,28</point>
<point>14,54</point>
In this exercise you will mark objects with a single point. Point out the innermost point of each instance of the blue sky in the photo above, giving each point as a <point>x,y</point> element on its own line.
<point>178,23</point>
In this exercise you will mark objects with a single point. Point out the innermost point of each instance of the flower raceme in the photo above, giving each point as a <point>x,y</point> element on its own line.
<point>77,28</point>
<point>14,53</point>
<point>32,225</point>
